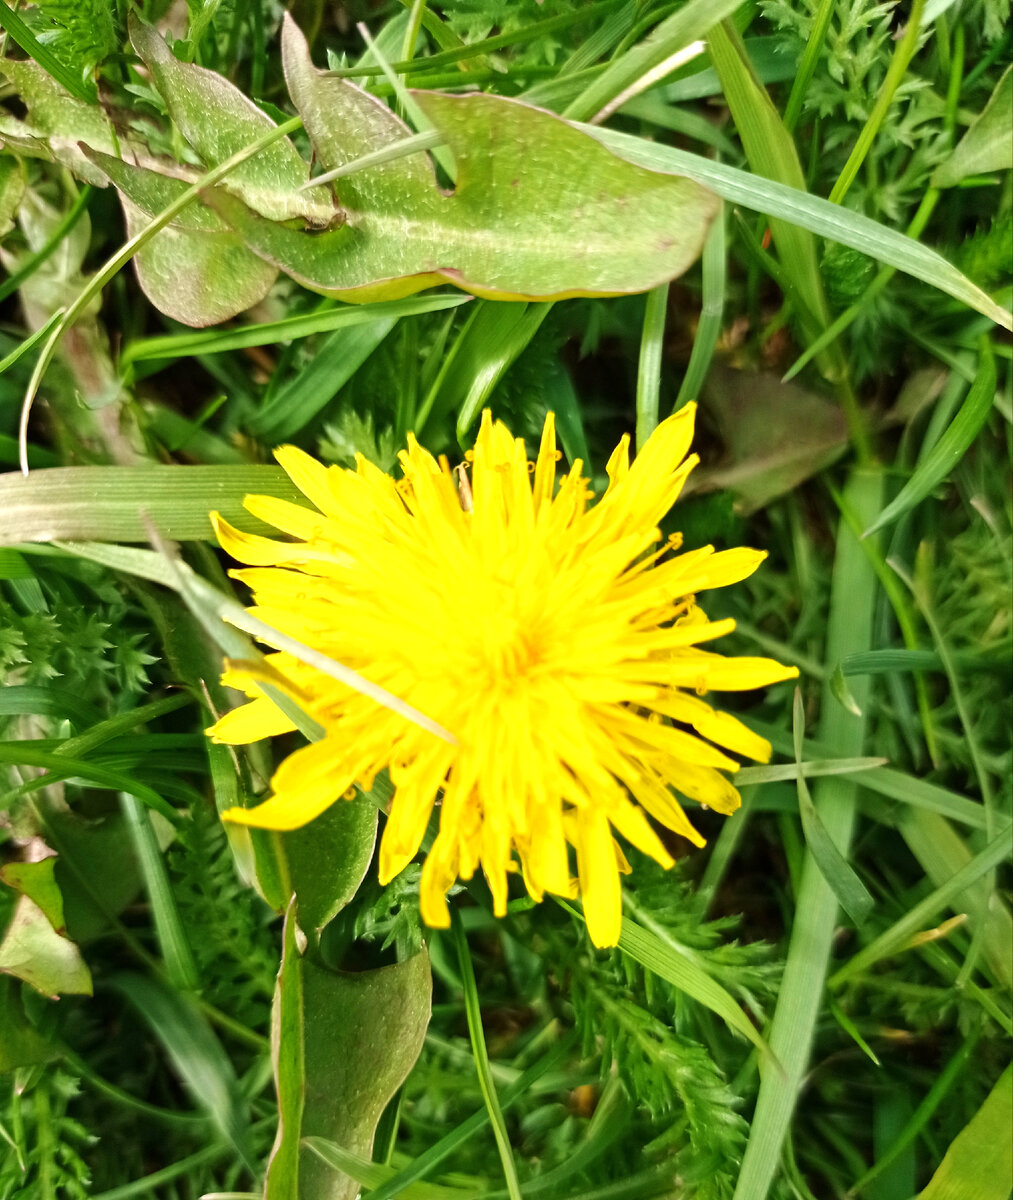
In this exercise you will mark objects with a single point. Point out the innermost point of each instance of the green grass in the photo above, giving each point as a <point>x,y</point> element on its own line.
<point>844,333</point>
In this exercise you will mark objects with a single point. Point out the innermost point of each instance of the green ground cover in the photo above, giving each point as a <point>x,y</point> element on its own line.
<point>796,213</point>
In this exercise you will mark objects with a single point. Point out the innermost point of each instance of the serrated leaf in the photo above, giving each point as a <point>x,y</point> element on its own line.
<point>197,269</point>
<point>538,210</point>
<point>988,143</point>
<point>269,182</point>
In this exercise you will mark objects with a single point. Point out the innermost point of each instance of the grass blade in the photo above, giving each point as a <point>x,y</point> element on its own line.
<point>950,448</point>
<point>817,215</point>
<point>793,1026</point>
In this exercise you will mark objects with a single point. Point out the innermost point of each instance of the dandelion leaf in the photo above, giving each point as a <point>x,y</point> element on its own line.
<point>268,182</point>
<point>539,209</point>
<point>329,858</point>
<point>55,122</point>
<point>196,270</point>
<point>342,1045</point>
<point>32,950</point>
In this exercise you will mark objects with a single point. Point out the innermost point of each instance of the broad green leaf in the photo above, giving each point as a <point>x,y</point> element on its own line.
<point>12,188</point>
<point>195,1052</point>
<point>950,448</point>
<point>196,270</point>
<point>362,1035</point>
<point>831,221</point>
<point>289,1060</point>
<point>110,503</point>
<point>21,1044</point>
<point>218,120</point>
<point>37,881</point>
<point>328,858</point>
<point>32,950</point>
<point>537,211</point>
<point>55,122</point>
<point>988,144</point>
<point>979,1162</point>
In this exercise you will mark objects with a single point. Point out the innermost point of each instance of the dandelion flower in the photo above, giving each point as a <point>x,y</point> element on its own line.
<point>557,640</point>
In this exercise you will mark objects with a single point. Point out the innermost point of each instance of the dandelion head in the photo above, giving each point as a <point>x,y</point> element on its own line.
<point>556,639</point>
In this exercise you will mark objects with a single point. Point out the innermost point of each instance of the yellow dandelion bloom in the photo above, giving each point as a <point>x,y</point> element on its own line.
<point>558,641</point>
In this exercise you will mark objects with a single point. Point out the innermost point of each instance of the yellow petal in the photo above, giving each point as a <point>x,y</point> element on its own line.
<point>309,476</point>
<point>249,723</point>
<point>599,878</point>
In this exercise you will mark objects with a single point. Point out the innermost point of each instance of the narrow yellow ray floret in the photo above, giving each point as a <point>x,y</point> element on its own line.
<point>559,641</point>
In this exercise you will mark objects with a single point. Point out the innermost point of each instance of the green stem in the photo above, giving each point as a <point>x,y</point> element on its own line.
<point>798,1008</point>
<point>473,1010</point>
<point>807,66</point>
<point>898,66</point>
<point>652,343</point>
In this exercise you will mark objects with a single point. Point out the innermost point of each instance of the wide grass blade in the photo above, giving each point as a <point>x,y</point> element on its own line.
<point>794,1023</point>
<point>115,504</point>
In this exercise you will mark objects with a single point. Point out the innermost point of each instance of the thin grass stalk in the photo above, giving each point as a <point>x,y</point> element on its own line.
<point>714,265</point>
<point>807,65</point>
<point>652,343</point>
<point>895,74</point>
<point>473,1010</point>
<point>794,1022</point>
<point>180,966</point>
